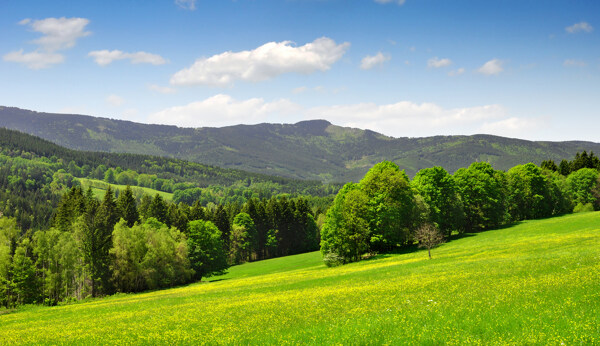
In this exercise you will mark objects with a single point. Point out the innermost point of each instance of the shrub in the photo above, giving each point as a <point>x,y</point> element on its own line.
<point>580,207</point>
<point>332,259</point>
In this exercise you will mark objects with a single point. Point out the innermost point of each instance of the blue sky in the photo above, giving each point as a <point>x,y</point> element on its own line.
<point>526,69</point>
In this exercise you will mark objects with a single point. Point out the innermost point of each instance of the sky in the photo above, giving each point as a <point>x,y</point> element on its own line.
<point>405,68</point>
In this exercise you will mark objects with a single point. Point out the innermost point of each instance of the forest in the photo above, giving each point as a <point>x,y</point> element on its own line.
<point>60,242</point>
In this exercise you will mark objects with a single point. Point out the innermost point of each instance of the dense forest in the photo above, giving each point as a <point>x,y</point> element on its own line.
<point>60,241</point>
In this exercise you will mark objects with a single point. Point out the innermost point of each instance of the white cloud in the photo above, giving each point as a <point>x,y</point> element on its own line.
<point>222,110</point>
<point>515,127</point>
<point>114,100</point>
<point>492,67</point>
<point>186,4</point>
<point>265,62</point>
<point>162,90</point>
<point>368,62</point>
<point>409,119</point>
<point>58,34</point>
<point>457,72</point>
<point>574,62</point>
<point>34,60</point>
<point>105,57</point>
<point>579,27</point>
<point>399,2</point>
<point>437,62</point>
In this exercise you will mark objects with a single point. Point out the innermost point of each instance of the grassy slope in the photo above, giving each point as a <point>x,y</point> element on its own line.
<point>99,188</point>
<point>537,282</point>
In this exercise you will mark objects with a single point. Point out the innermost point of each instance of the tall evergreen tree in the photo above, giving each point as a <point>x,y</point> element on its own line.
<point>127,207</point>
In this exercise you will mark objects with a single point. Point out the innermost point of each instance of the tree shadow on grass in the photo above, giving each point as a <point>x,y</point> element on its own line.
<point>217,280</point>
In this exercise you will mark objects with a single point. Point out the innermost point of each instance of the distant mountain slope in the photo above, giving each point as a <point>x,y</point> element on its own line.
<point>307,150</point>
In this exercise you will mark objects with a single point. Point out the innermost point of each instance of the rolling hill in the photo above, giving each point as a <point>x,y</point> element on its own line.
<point>533,283</point>
<point>316,149</point>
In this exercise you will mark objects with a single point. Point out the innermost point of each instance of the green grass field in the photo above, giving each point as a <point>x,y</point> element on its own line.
<point>534,283</point>
<point>99,188</point>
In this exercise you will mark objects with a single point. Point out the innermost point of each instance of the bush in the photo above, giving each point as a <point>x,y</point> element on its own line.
<point>580,207</point>
<point>333,260</point>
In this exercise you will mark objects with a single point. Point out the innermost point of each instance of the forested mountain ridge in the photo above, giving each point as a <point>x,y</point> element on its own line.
<point>306,150</point>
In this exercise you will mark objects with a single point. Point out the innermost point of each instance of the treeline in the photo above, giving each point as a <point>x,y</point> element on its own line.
<point>385,209</point>
<point>95,248</point>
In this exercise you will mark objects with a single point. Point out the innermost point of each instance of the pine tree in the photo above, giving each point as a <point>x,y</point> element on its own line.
<point>127,207</point>
<point>158,209</point>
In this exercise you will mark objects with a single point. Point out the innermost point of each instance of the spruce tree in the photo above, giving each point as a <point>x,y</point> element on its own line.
<point>127,207</point>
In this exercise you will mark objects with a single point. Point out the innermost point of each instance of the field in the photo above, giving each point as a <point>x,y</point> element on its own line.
<point>99,188</point>
<point>537,282</point>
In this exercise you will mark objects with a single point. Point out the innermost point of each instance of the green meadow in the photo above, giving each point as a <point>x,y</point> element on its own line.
<point>537,282</point>
<point>99,189</point>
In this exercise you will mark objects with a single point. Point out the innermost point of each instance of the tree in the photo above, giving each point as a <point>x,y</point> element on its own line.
<point>127,256</point>
<point>428,237</point>
<point>346,229</point>
<point>205,247</point>
<point>438,190</point>
<point>149,256</point>
<point>23,275</point>
<point>528,193</point>
<point>127,207</point>
<point>109,176</point>
<point>244,239</point>
<point>481,189</point>
<point>158,209</point>
<point>582,183</point>
<point>391,205</point>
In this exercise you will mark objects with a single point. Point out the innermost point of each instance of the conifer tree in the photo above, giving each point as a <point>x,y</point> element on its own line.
<point>127,207</point>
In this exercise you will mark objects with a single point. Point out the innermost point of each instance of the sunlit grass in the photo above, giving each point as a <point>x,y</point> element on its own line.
<point>99,189</point>
<point>534,283</point>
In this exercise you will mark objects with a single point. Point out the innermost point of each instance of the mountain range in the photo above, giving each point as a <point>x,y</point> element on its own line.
<point>315,149</point>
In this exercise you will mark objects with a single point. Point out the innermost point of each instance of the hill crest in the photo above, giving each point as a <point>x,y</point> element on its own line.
<point>311,149</point>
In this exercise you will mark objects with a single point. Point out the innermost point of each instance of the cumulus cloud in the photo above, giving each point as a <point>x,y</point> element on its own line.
<point>492,67</point>
<point>186,4</point>
<point>114,100</point>
<point>267,61</point>
<point>57,34</point>
<point>437,62</point>
<point>399,2</point>
<point>105,57</point>
<point>579,27</point>
<point>222,110</point>
<point>574,62</point>
<point>457,72</point>
<point>409,119</point>
<point>34,60</point>
<point>368,62</point>
<point>162,90</point>
<point>514,127</point>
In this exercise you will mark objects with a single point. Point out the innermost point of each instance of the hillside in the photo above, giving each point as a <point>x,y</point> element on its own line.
<point>534,283</point>
<point>306,150</point>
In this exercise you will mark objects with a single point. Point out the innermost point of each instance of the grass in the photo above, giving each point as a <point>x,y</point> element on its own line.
<point>534,283</point>
<point>99,188</point>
